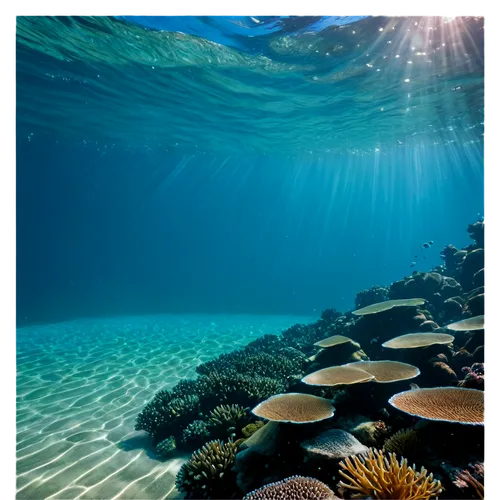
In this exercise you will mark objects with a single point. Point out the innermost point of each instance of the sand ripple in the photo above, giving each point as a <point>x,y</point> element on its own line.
<point>81,384</point>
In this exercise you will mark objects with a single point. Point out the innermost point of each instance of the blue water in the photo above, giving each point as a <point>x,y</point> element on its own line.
<point>186,185</point>
<point>231,165</point>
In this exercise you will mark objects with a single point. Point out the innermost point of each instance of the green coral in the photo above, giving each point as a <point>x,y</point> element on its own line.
<point>168,405</point>
<point>195,434</point>
<point>166,447</point>
<point>227,420</point>
<point>252,428</point>
<point>231,387</point>
<point>282,365</point>
<point>207,473</point>
<point>164,415</point>
<point>171,411</point>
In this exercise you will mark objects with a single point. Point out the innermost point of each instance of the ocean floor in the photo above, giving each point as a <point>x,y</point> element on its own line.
<point>81,384</point>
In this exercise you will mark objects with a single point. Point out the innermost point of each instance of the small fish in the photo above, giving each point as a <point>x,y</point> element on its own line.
<point>425,245</point>
<point>414,272</point>
<point>413,264</point>
<point>416,257</point>
<point>424,257</point>
<point>414,386</point>
<point>431,242</point>
<point>375,340</point>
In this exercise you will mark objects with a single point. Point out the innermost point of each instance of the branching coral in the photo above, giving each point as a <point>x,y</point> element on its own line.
<point>383,477</point>
<point>227,420</point>
<point>165,415</point>
<point>279,365</point>
<point>195,434</point>
<point>474,377</point>
<point>464,478</point>
<point>171,411</point>
<point>166,447</point>
<point>231,387</point>
<point>205,474</point>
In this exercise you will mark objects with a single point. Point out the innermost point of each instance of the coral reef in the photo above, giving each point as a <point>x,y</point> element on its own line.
<point>334,444</point>
<point>335,350</point>
<point>414,340</point>
<point>225,421</point>
<point>195,434</point>
<point>472,263</point>
<point>371,433</point>
<point>252,428</point>
<point>387,371</point>
<point>346,376</point>
<point>474,377</point>
<point>330,315</point>
<point>338,375</point>
<point>382,476</point>
<point>295,487</point>
<point>280,365</point>
<point>404,442</point>
<point>295,407</point>
<point>448,404</point>
<point>257,454</point>
<point>232,387</point>
<point>166,447</point>
<point>389,304</point>
<point>207,472</point>
<point>452,259</point>
<point>371,296</point>
<point>476,232</point>
<point>440,373</point>
<point>166,415</point>
<point>465,479</point>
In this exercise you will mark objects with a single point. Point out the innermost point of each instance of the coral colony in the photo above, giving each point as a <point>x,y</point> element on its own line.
<point>339,408</point>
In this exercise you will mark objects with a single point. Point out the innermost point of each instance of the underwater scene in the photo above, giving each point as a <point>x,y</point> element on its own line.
<point>250,257</point>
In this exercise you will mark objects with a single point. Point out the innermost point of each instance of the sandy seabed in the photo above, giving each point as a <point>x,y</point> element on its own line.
<point>81,384</point>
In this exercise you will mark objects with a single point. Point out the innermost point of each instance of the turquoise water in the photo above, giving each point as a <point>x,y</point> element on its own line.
<point>373,84</point>
<point>187,185</point>
<point>81,384</point>
<point>278,173</point>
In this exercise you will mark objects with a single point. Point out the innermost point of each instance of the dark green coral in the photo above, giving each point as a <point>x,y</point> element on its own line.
<point>164,415</point>
<point>231,387</point>
<point>195,435</point>
<point>171,411</point>
<point>283,365</point>
<point>252,428</point>
<point>166,447</point>
<point>207,473</point>
<point>226,421</point>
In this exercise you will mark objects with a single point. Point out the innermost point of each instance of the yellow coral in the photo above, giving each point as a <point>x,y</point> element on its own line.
<point>383,477</point>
